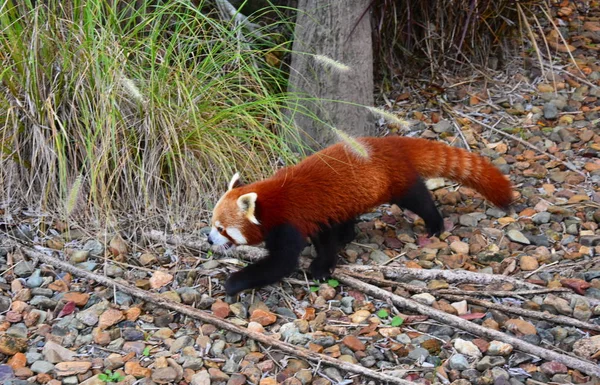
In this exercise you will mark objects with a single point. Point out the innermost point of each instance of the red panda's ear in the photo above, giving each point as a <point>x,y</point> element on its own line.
<point>234,182</point>
<point>247,203</point>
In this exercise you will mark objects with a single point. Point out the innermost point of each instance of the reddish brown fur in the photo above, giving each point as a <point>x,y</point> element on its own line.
<point>336,184</point>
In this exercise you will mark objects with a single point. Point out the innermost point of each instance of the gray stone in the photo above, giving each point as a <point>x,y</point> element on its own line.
<point>35,356</point>
<point>368,361</point>
<point>217,348</point>
<point>42,302</point>
<point>516,236</point>
<point>325,341</point>
<point>459,362</point>
<point>88,266</point>
<point>189,295</point>
<point>418,354</point>
<point>94,247</point>
<point>114,271</point>
<point>550,111</point>
<point>35,279</point>
<point>540,218</point>
<point>193,363</point>
<point>298,339</point>
<point>468,220</point>
<point>132,334</point>
<point>5,303</point>
<point>379,257</point>
<point>42,367</point>
<point>23,269</point>
<point>442,126</point>
<point>334,374</point>
<point>495,212</point>
<point>230,366</point>
<point>43,292</point>
<point>180,343</point>
<point>285,312</point>
<point>232,337</point>
<point>116,344</point>
<point>488,362</point>
<point>17,330</point>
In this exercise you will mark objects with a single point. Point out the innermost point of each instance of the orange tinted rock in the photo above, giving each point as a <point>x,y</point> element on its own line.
<point>17,361</point>
<point>80,299</point>
<point>110,317</point>
<point>220,309</point>
<point>263,317</point>
<point>353,343</point>
<point>133,368</point>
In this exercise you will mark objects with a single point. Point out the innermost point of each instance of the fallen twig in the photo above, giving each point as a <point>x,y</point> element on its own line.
<point>491,293</point>
<point>459,276</point>
<point>459,295</point>
<point>452,320</point>
<point>209,318</point>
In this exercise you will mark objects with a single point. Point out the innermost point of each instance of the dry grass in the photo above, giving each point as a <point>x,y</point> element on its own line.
<point>449,35</point>
<point>109,112</point>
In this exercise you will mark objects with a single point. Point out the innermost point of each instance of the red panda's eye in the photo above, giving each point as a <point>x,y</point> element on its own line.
<point>220,229</point>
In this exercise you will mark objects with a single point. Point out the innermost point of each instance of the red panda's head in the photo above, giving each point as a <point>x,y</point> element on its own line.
<point>233,220</point>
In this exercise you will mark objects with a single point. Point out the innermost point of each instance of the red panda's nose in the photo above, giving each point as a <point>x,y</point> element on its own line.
<point>210,241</point>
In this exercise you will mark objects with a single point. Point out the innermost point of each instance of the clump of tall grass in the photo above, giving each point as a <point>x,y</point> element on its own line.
<point>449,35</point>
<point>107,109</point>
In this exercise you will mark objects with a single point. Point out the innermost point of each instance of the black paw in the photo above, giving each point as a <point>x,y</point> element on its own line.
<point>436,228</point>
<point>236,283</point>
<point>321,270</point>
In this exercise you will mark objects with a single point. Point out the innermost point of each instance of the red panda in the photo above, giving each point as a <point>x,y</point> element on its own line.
<point>321,196</point>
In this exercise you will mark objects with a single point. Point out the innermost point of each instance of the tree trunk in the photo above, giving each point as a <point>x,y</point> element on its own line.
<point>339,30</point>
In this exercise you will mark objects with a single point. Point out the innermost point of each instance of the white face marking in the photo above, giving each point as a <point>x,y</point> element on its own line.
<point>216,238</point>
<point>236,235</point>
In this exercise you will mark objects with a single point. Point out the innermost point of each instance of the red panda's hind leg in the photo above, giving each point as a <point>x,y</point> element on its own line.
<point>418,199</point>
<point>284,243</point>
<point>328,243</point>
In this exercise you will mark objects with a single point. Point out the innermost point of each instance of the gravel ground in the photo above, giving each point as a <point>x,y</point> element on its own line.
<point>58,328</point>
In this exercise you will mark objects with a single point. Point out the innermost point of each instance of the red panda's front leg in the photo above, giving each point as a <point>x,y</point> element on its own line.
<point>328,242</point>
<point>284,243</point>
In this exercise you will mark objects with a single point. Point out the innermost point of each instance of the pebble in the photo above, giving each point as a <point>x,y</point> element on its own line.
<point>550,111</point>
<point>488,362</point>
<point>35,279</point>
<point>468,220</point>
<point>43,302</point>
<point>42,367</point>
<point>467,348</point>
<point>517,236</point>
<point>459,362</point>
<point>498,348</point>
<point>6,373</point>
<point>201,378</point>
<point>424,298</point>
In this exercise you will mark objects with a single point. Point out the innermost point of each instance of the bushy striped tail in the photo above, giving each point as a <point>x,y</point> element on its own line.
<point>435,159</point>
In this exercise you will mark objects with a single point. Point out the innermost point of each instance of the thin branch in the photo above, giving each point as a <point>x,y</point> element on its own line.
<point>458,276</point>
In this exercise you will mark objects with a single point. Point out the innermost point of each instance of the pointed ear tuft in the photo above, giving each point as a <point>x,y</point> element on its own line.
<point>247,203</point>
<point>234,182</point>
